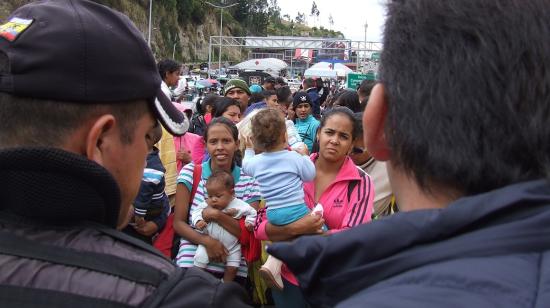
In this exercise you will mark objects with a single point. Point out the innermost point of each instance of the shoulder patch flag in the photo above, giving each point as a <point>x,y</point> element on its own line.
<point>13,28</point>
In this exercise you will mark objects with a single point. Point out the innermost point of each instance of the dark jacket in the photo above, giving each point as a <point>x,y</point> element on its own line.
<point>316,101</point>
<point>489,250</point>
<point>58,246</point>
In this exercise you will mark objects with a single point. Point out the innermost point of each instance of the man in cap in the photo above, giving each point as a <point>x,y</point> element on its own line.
<point>467,153</point>
<point>69,175</point>
<point>238,89</point>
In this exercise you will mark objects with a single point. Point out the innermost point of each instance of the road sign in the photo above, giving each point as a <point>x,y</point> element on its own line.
<point>354,79</point>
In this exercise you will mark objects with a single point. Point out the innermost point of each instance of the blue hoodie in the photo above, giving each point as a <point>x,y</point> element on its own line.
<point>488,250</point>
<point>307,129</point>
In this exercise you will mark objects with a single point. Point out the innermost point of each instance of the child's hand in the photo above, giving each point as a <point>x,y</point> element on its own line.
<point>248,142</point>
<point>249,226</point>
<point>290,114</point>
<point>201,224</point>
<point>231,212</point>
<point>139,221</point>
<point>302,150</point>
<point>184,155</point>
<point>148,228</point>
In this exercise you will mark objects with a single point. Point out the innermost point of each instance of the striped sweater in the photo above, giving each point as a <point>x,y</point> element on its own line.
<point>246,189</point>
<point>151,201</point>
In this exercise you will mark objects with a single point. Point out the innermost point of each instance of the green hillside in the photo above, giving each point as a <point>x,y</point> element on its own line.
<point>181,28</point>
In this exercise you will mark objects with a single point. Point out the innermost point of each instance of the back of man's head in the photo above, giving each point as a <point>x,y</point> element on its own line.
<point>468,91</point>
<point>309,83</point>
<point>364,90</point>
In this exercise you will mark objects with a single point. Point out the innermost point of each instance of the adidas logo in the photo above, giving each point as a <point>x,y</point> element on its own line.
<point>338,202</point>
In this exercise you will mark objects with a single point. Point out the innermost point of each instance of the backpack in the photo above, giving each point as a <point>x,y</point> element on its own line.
<point>198,125</point>
<point>167,241</point>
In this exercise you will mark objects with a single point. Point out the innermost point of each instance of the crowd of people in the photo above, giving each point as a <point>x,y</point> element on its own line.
<point>292,158</point>
<point>428,188</point>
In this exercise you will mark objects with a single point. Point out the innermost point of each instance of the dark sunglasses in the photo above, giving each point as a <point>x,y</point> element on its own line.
<point>356,150</point>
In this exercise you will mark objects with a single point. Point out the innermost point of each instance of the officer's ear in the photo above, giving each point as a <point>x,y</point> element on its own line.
<point>101,138</point>
<point>374,122</point>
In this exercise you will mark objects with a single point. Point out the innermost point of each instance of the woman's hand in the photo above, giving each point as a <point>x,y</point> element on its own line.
<point>215,250</point>
<point>309,224</point>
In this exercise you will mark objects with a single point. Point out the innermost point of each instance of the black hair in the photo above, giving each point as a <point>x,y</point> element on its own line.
<point>468,87</point>
<point>358,116</point>
<point>309,83</point>
<point>237,158</point>
<point>319,83</point>
<point>222,104</point>
<point>226,122</point>
<point>331,99</point>
<point>281,81</point>
<point>350,99</point>
<point>156,133</point>
<point>56,120</point>
<point>167,66</point>
<point>346,112</point>
<point>365,88</point>
<point>209,100</point>
<point>268,93</point>
<point>256,98</point>
<point>223,177</point>
<point>284,95</point>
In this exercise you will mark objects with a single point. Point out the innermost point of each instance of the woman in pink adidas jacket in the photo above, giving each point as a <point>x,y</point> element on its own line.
<point>345,191</point>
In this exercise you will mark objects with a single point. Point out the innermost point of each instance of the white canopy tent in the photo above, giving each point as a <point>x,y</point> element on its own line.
<point>310,72</point>
<point>327,69</point>
<point>269,65</point>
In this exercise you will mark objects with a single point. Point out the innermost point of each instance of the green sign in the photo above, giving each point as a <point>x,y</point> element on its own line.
<point>354,79</point>
<point>375,56</point>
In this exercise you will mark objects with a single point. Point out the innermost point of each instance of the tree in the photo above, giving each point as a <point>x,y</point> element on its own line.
<point>314,9</point>
<point>315,12</point>
<point>255,15</point>
<point>300,18</point>
<point>274,12</point>
<point>330,21</point>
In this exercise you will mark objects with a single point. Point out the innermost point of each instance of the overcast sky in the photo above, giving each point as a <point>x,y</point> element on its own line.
<point>349,16</point>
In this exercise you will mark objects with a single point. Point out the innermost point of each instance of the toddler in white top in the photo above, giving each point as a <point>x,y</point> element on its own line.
<point>220,188</point>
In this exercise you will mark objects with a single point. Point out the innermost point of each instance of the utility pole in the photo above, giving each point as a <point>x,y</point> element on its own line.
<point>293,51</point>
<point>365,52</point>
<point>150,17</point>
<point>221,7</point>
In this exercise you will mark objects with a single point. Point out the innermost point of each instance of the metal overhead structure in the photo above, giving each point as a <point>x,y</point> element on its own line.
<point>285,42</point>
